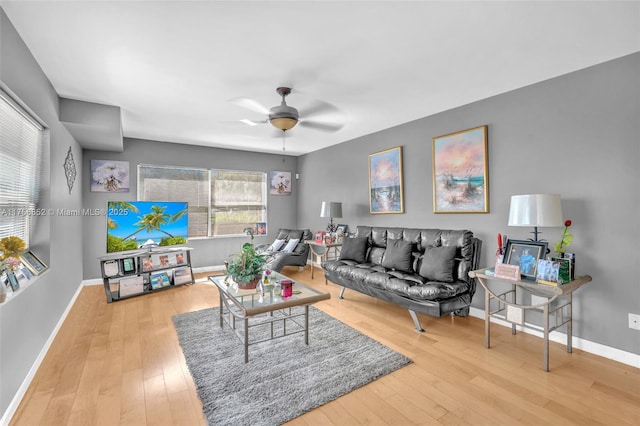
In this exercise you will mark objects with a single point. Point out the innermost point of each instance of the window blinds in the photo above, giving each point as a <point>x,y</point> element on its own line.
<point>21,139</point>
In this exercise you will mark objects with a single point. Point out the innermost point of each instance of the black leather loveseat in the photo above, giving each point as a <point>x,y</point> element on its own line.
<point>295,255</point>
<point>423,270</point>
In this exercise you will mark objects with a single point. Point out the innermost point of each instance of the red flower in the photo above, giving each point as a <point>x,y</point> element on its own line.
<point>567,222</point>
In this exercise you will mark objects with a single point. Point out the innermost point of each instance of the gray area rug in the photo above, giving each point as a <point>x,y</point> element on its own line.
<point>284,378</point>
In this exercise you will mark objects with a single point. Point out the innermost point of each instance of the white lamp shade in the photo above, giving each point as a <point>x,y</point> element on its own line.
<point>536,210</point>
<point>331,209</point>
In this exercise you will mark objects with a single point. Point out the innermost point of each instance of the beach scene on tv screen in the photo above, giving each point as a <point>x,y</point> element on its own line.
<point>145,224</point>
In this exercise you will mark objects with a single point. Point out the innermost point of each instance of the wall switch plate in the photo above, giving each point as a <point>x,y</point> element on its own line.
<point>634,321</point>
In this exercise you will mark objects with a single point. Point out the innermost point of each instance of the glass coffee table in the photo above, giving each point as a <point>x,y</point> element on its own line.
<point>267,310</point>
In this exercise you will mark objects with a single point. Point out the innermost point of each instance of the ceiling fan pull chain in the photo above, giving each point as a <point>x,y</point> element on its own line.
<point>283,148</point>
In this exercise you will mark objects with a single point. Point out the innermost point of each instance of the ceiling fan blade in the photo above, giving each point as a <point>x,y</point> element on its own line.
<point>250,104</point>
<point>317,108</point>
<point>253,122</point>
<point>325,127</point>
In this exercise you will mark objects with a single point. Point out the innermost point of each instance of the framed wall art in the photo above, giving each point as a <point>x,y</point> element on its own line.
<point>109,176</point>
<point>525,254</point>
<point>460,172</point>
<point>385,182</point>
<point>279,183</point>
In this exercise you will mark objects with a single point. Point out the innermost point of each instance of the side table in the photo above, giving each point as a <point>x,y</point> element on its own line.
<point>541,297</point>
<point>321,252</point>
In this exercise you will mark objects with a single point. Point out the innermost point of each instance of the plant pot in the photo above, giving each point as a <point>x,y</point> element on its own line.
<point>251,285</point>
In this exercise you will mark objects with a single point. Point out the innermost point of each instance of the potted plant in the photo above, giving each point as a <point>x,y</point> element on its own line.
<point>246,266</point>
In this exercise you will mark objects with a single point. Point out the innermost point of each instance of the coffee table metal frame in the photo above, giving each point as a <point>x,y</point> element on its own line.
<point>241,305</point>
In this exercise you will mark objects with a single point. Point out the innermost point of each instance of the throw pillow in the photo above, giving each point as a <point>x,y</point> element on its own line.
<point>398,255</point>
<point>290,245</point>
<point>354,249</point>
<point>438,263</point>
<point>276,245</point>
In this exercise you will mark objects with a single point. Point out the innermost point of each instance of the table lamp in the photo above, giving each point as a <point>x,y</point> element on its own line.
<point>536,210</point>
<point>331,209</point>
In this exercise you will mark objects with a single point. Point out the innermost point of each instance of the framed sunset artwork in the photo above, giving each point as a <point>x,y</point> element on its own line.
<point>460,172</point>
<point>385,182</point>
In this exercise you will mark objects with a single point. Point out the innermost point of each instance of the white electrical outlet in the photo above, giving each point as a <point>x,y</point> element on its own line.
<point>634,321</point>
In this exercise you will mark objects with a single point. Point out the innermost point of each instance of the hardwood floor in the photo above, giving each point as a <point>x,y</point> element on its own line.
<point>121,363</point>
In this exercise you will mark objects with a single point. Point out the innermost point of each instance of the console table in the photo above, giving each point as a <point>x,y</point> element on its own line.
<point>321,252</point>
<point>541,298</point>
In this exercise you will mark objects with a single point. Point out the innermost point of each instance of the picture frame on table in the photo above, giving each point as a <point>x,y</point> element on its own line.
<point>31,261</point>
<point>461,172</point>
<point>525,254</point>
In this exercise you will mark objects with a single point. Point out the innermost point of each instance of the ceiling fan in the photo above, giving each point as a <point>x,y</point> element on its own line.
<point>284,117</point>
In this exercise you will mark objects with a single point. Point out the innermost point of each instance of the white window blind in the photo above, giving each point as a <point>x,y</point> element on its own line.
<point>168,183</point>
<point>238,201</point>
<point>221,202</point>
<point>21,140</point>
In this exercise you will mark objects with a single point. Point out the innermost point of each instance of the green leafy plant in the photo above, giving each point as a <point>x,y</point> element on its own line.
<point>566,238</point>
<point>247,265</point>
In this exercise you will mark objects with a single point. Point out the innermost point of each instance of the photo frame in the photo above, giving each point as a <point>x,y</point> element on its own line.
<point>461,172</point>
<point>385,182</point>
<point>109,176</point>
<point>31,261</point>
<point>525,254</point>
<point>261,228</point>
<point>279,183</point>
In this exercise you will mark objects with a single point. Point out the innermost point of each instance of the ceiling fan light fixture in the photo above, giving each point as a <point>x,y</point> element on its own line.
<point>283,117</point>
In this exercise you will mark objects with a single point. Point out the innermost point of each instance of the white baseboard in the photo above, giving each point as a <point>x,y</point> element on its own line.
<point>17,398</point>
<point>577,342</point>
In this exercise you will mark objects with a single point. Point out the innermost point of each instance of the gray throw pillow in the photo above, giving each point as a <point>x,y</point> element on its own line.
<point>354,249</point>
<point>398,255</point>
<point>437,263</point>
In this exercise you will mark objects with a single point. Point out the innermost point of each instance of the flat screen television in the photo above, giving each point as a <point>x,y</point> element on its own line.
<point>133,225</point>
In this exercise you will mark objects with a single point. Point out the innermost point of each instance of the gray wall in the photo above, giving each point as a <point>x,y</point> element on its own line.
<point>576,135</point>
<point>282,209</point>
<point>27,321</point>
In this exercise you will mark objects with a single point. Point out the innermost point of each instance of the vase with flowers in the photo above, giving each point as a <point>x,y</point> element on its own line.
<point>565,239</point>
<point>10,249</point>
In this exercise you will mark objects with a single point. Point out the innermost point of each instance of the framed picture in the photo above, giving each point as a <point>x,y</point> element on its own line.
<point>279,183</point>
<point>261,228</point>
<point>525,254</point>
<point>109,176</point>
<point>31,261</point>
<point>159,280</point>
<point>460,172</point>
<point>385,182</point>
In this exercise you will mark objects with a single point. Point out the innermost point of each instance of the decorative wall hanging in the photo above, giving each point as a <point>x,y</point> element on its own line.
<point>385,182</point>
<point>280,183</point>
<point>460,172</point>
<point>70,170</point>
<point>109,176</point>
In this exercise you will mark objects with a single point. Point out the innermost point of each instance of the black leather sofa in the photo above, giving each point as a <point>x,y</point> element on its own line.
<point>278,259</point>
<point>423,270</point>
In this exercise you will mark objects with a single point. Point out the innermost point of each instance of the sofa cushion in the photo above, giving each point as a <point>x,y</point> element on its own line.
<point>291,244</point>
<point>398,255</point>
<point>437,263</point>
<point>276,245</point>
<point>354,249</point>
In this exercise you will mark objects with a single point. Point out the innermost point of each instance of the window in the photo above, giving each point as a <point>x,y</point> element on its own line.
<point>221,202</point>
<point>21,140</point>
<point>166,183</point>
<point>238,201</point>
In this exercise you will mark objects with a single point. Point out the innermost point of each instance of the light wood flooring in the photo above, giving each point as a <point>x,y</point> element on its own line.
<point>121,364</point>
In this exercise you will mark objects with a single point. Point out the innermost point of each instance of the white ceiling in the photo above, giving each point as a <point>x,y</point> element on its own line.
<point>173,67</point>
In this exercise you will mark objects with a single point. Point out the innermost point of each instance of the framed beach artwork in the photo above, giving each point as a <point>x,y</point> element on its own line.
<point>385,182</point>
<point>109,176</point>
<point>460,172</point>
<point>279,183</point>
